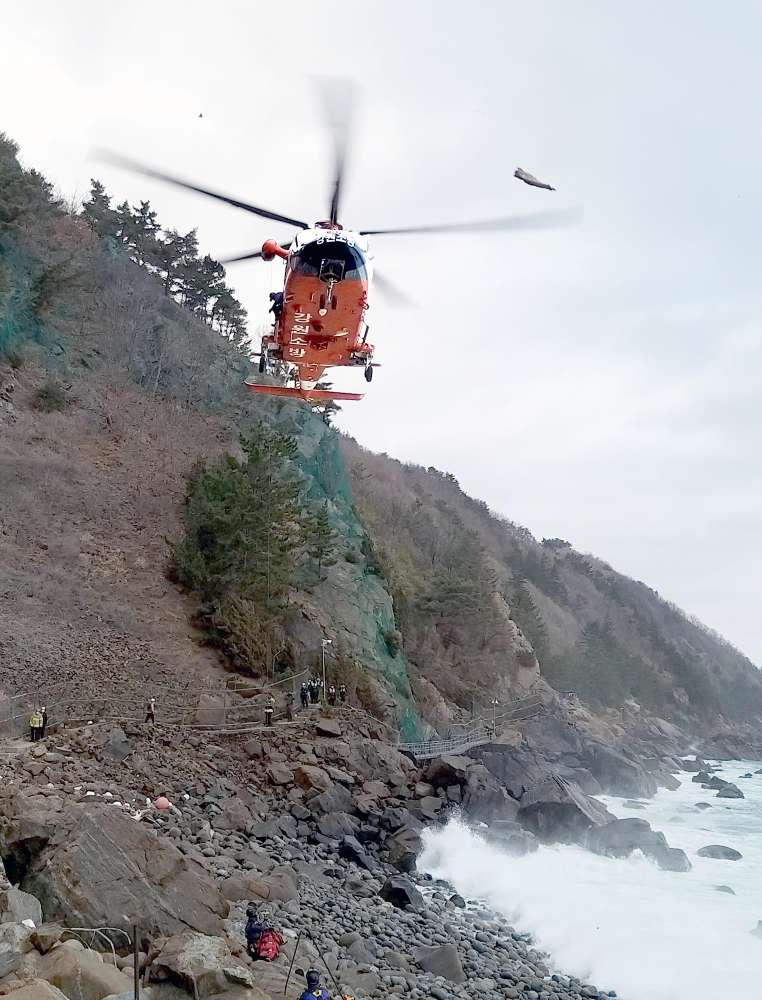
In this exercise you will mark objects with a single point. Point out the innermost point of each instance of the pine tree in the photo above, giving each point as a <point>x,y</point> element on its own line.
<point>528,618</point>
<point>321,539</point>
<point>98,211</point>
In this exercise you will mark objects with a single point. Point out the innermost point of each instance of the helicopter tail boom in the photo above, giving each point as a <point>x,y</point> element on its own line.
<point>311,395</point>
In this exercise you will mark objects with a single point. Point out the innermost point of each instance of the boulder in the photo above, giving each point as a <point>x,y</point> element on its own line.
<point>38,989</point>
<point>253,749</point>
<point>725,888</point>
<point>665,779</point>
<point>692,765</point>
<point>378,789</point>
<point>557,810</point>
<point>16,906</point>
<point>104,869</point>
<point>400,892</point>
<point>352,850</point>
<point>484,799</point>
<point>338,825</point>
<point>730,792</point>
<point>404,845</point>
<point>288,826</point>
<point>234,816</point>
<point>430,806</point>
<point>328,727</point>
<point>621,837</point>
<point>307,776</point>
<point>353,885</point>
<point>719,852</point>
<point>359,953</point>
<point>396,960</point>
<point>210,711</point>
<point>336,799</point>
<point>279,884</point>
<point>201,965</point>
<point>617,775</point>
<point>45,936</point>
<point>117,745</point>
<point>14,944</point>
<point>757,931</point>
<point>356,982</point>
<point>516,842</point>
<point>441,961</point>
<point>82,974</point>
<point>448,770</point>
<point>279,774</point>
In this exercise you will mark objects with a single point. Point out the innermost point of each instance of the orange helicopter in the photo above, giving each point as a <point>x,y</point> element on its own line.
<point>320,316</point>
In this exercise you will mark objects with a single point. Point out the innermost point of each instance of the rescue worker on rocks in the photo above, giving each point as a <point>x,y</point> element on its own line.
<point>44,715</point>
<point>255,927</point>
<point>343,692</point>
<point>314,990</point>
<point>289,705</point>
<point>304,694</point>
<point>332,694</point>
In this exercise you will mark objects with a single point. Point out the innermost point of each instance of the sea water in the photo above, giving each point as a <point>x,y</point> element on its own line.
<point>625,925</point>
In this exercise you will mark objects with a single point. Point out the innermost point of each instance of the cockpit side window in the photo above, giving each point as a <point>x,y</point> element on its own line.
<point>329,260</point>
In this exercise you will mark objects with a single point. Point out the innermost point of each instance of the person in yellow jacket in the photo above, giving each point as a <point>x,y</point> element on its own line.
<point>35,725</point>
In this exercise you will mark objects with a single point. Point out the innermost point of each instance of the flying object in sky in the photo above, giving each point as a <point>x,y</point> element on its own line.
<point>320,316</point>
<point>531,179</point>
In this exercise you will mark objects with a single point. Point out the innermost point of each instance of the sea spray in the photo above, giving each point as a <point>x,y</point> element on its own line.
<point>624,924</point>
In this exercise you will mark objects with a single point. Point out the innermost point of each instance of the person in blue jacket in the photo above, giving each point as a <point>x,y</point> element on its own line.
<point>314,990</point>
<point>255,927</point>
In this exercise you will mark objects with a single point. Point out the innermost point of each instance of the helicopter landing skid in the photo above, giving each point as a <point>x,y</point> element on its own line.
<point>310,395</point>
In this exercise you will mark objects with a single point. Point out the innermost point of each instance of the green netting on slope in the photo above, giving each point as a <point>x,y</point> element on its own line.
<point>18,323</point>
<point>356,597</point>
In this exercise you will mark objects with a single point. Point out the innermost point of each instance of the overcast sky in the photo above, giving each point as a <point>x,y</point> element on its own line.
<point>601,383</point>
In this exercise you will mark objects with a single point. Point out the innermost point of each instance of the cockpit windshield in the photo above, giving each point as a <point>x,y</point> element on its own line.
<point>330,258</point>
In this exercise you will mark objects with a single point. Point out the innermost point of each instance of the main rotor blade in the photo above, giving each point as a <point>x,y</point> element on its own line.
<point>337,94</point>
<point>548,220</point>
<point>249,256</point>
<point>391,293</point>
<point>120,161</point>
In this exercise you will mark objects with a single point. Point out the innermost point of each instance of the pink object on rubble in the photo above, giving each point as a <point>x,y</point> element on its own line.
<point>162,802</point>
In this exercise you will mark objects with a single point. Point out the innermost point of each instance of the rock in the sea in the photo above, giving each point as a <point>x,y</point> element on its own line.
<point>725,888</point>
<point>448,770</point>
<point>719,852</point>
<point>404,845</point>
<point>757,931</point>
<point>443,961</point>
<point>400,892</point>
<point>16,906</point>
<point>485,800</point>
<point>730,791</point>
<point>617,775</point>
<point>101,868</point>
<point>555,809</point>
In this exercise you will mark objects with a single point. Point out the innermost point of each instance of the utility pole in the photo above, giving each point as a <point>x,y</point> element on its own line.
<point>323,644</point>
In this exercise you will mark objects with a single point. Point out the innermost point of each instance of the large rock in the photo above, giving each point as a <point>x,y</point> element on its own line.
<point>45,936</point>
<point>97,867</point>
<point>352,850</point>
<point>280,884</point>
<point>38,989</point>
<point>555,809</point>
<point>328,727</point>
<point>336,799</point>
<point>16,906</point>
<point>485,800</point>
<point>617,775</point>
<point>442,961</point>
<point>201,965</point>
<point>511,839</point>
<point>621,837</point>
<point>308,776</point>
<point>730,791</point>
<point>404,845</point>
<point>14,944</point>
<point>279,774</point>
<point>719,852</point>
<point>117,745</point>
<point>448,769</point>
<point>400,892</point>
<point>234,816</point>
<point>82,975</point>
<point>338,825</point>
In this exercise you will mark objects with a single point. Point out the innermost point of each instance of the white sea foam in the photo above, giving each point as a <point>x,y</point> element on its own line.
<point>624,924</point>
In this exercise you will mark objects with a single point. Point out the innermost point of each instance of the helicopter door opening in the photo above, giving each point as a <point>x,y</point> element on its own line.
<point>332,270</point>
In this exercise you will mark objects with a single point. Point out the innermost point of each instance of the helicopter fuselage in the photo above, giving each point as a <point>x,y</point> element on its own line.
<point>321,321</point>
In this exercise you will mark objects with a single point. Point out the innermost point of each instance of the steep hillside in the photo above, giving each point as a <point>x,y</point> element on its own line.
<point>125,430</point>
<point>457,571</point>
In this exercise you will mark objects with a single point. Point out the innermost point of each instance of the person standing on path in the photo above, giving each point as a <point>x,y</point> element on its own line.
<point>35,725</point>
<point>290,705</point>
<point>332,694</point>
<point>269,709</point>
<point>343,692</point>
<point>151,711</point>
<point>304,694</point>
<point>44,715</point>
